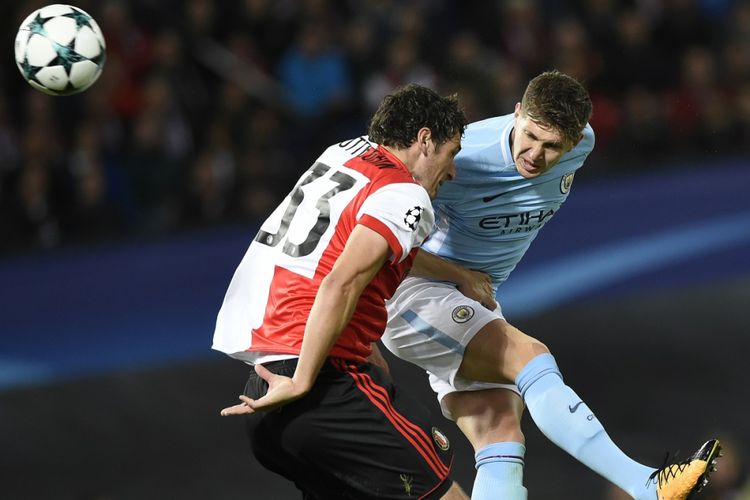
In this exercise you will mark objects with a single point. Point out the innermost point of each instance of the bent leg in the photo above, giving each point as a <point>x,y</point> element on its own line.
<point>491,420</point>
<point>569,423</point>
<point>498,352</point>
<point>501,352</point>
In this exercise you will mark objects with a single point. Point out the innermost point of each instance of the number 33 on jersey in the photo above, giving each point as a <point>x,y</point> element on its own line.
<point>355,182</point>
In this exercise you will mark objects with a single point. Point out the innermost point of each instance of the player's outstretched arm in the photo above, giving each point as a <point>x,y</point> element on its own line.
<point>364,255</point>
<point>474,284</point>
<point>339,291</point>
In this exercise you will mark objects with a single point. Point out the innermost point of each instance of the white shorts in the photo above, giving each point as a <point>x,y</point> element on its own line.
<point>430,323</point>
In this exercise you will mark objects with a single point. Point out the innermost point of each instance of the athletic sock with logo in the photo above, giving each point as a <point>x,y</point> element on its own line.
<point>499,472</point>
<point>569,423</point>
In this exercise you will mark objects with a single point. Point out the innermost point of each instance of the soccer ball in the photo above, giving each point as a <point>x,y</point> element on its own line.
<point>60,50</point>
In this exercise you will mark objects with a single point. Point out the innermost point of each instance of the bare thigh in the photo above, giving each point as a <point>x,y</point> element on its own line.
<point>498,352</point>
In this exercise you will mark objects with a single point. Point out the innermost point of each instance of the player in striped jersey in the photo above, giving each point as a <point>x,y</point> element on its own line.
<point>308,300</point>
<point>513,174</point>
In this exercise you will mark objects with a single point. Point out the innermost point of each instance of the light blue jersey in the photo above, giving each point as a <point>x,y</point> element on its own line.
<point>487,217</point>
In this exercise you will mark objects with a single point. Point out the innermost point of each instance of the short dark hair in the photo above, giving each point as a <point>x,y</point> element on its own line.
<point>560,101</point>
<point>403,113</point>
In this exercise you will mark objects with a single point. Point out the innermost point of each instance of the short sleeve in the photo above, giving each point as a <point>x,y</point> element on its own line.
<point>401,213</point>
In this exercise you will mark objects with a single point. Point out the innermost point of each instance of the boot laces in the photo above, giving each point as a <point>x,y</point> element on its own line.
<point>667,471</point>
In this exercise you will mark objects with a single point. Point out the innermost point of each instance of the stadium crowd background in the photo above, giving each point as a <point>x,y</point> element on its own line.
<point>207,111</point>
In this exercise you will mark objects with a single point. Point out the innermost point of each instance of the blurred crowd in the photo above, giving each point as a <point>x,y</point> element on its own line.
<point>207,111</point>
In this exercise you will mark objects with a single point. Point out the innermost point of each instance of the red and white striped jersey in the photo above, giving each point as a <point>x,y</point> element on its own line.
<point>270,296</point>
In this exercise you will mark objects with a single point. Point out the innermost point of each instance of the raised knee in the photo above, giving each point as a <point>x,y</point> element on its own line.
<point>524,349</point>
<point>539,348</point>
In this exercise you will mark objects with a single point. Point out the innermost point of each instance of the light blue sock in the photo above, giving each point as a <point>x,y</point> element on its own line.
<point>569,423</point>
<point>499,472</point>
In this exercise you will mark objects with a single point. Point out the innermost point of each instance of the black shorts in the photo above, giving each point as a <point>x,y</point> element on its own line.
<point>353,436</point>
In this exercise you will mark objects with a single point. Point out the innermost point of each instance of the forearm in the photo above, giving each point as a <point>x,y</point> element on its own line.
<point>331,311</point>
<point>474,284</point>
<point>364,255</point>
<point>427,265</point>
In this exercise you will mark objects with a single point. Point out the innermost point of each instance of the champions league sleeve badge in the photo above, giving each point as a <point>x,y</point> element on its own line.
<point>412,217</point>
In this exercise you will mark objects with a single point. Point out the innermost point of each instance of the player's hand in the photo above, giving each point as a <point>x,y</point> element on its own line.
<point>478,286</point>
<point>281,390</point>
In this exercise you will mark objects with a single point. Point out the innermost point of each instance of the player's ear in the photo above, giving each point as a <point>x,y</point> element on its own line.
<point>517,111</point>
<point>424,136</point>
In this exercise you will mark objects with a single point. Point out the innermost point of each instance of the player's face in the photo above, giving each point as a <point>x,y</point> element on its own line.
<point>439,164</point>
<point>536,147</point>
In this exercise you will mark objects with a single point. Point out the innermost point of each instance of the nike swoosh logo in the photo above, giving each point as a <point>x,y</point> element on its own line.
<point>573,409</point>
<point>487,199</point>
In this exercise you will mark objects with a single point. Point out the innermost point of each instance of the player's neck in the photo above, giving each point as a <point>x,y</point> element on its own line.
<point>401,155</point>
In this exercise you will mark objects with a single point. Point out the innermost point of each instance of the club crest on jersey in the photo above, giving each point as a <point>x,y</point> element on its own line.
<point>441,440</point>
<point>462,314</point>
<point>412,217</point>
<point>566,182</point>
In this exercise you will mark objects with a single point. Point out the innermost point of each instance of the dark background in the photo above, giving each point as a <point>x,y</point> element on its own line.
<point>109,388</point>
<point>156,433</point>
<point>124,211</point>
